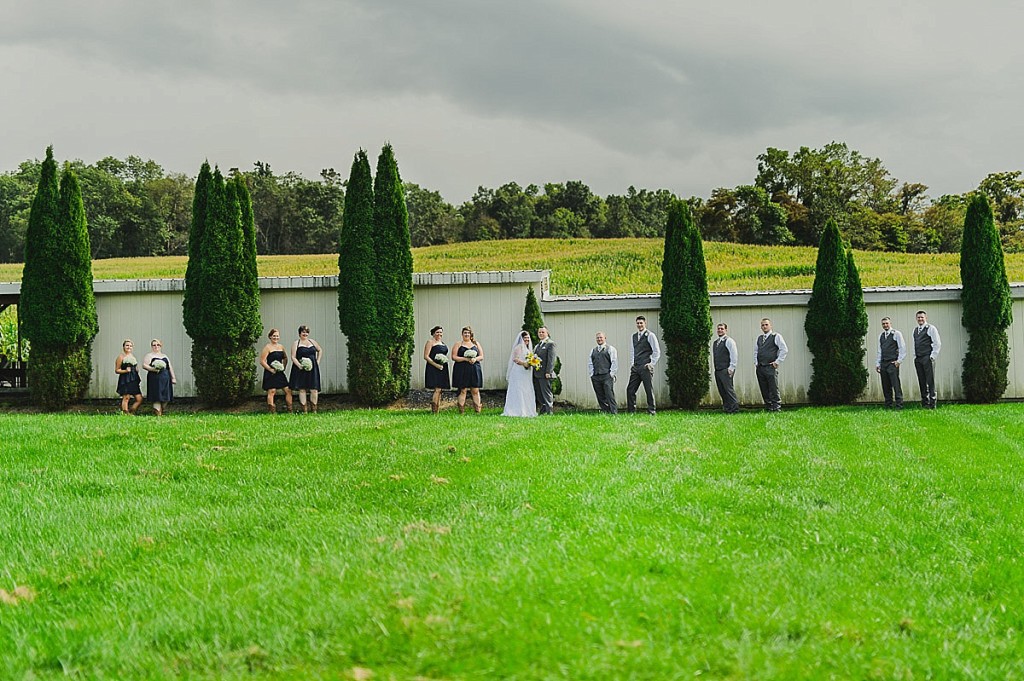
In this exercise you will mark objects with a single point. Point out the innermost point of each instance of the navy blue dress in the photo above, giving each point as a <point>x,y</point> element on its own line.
<point>302,379</point>
<point>130,383</point>
<point>466,375</point>
<point>277,380</point>
<point>437,378</point>
<point>158,384</point>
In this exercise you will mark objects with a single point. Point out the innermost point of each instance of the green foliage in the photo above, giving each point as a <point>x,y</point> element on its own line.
<point>59,376</point>
<point>532,317</point>
<point>9,336</point>
<point>222,314</point>
<point>432,220</point>
<point>986,305</point>
<point>194,271</point>
<point>43,257</point>
<point>356,283</point>
<point>685,309</point>
<point>835,324</point>
<point>57,305</point>
<point>395,322</point>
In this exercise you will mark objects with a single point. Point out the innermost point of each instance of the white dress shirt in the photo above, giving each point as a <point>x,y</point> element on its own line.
<point>611,353</point>
<point>655,348</point>
<point>783,349</point>
<point>901,346</point>
<point>936,342</point>
<point>734,355</point>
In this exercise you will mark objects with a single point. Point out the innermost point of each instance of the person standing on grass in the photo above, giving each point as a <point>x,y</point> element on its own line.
<point>891,352</point>
<point>602,365</point>
<point>435,373</point>
<point>160,379</point>
<point>644,354</point>
<point>129,384</point>
<point>770,351</point>
<point>305,376</point>
<point>926,350</point>
<point>543,375</point>
<point>467,374</point>
<point>274,360</point>
<point>725,356</point>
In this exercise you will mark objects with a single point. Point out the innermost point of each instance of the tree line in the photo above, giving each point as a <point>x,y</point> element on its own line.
<point>136,208</point>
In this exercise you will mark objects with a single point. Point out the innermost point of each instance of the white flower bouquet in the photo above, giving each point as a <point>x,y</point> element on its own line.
<point>470,354</point>
<point>158,364</point>
<point>277,365</point>
<point>306,363</point>
<point>129,361</point>
<point>441,359</point>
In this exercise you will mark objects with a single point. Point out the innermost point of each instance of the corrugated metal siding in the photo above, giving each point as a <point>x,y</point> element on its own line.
<point>492,303</point>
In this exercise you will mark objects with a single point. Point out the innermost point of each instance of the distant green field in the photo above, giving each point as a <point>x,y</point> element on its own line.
<point>851,543</point>
<point>592,266</point>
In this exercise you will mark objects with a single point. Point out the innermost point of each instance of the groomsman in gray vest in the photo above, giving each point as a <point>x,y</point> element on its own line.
<point>602,365</point>
<point>542,376</point>
<point>725,356</point>
<point>926,350</point>
<point>644,354</point>
<point>769,352</point>
<point>891,352</point>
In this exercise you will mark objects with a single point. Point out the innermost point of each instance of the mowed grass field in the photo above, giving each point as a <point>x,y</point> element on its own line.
<point>600,266</point>
<point>849,543</point>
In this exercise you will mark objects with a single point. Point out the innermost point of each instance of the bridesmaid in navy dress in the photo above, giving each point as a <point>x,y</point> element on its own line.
<point>435,374</point>
<point>128,382</point>
<point>274,379</point>
<point>160,381</point>
<point>306,380</point>
<point>467,374</point>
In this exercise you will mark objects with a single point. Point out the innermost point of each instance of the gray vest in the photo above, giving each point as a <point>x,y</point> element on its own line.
<point>922,342</point>
<point>642,350</point>
<point>767,350</point>
<point>602,361</point>
<point>720,353</point>
<point>890,348</point>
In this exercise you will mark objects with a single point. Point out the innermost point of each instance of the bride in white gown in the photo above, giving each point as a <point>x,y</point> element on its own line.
<point>519,399</point>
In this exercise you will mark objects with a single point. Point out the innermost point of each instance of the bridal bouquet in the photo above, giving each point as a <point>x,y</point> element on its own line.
<point>129,361</point>
<point>277,365</point>
<point>306,363</point>
<point>532,361</point>
<point>469,354</point>
<point>441,359</point>
<point>158,364</point>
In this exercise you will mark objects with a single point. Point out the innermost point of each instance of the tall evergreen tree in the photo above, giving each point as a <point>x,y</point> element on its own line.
<point>532,317</point>
<point>395,327</point>
<point>58,307</point>
<point>986,305</point>
<point>856,329</point>
<point>193,270</point>
<point>835,324</point>
<point>357,302</point>
<point>685,309</point>
<point>225,322</point>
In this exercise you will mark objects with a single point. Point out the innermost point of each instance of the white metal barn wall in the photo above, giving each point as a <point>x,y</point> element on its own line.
<point>492,303</point>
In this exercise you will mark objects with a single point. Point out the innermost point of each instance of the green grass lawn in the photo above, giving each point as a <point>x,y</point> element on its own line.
<point>596,266</point>
<point>819,543</point>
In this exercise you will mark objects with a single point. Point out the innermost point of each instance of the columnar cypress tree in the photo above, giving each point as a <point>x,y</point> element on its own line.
<point>57,305</point>
<point>357,301</point>
<point>986,305</point>
<point>835,324</point>
<point>685,309</point>
<point>193,270</point>
<point>856,329</point>
<point>225,321</point>
<point>532,317</point>
<point>395,327</point>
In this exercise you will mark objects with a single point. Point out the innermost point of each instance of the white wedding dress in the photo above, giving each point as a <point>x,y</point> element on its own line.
<point>519,399</point>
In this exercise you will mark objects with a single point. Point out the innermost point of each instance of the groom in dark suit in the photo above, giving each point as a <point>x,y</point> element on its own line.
<point>543,374</point>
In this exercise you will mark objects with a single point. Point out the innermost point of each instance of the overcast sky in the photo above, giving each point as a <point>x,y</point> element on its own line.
<point>652,93</point>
